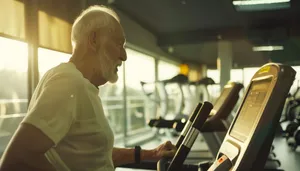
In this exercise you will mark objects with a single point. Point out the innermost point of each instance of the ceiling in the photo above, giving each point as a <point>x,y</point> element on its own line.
<point>193,28</point>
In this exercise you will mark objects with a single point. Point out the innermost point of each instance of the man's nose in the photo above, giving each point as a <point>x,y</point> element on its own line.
<point>124,56</point>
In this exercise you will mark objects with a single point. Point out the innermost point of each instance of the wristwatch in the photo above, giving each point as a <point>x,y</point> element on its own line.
<point>137,154</point>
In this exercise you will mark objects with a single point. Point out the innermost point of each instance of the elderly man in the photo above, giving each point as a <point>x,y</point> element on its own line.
<point>65,128</point>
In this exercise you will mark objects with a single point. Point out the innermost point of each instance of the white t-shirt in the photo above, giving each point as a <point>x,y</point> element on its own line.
<point>66,107</point>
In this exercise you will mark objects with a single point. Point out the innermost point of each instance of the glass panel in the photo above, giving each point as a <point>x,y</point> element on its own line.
<point>139,67</point>
<point>248,74</point>
<point>167,70</point>
<point>236,75</point>
<point>214,90</point>
<point>13,87</point>
<point>214,74</point>
<point>170,93</point>
<point>49,59</point>
<point>113,103</point>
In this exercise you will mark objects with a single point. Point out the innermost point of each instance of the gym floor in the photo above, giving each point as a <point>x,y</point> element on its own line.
<point>290,160</point>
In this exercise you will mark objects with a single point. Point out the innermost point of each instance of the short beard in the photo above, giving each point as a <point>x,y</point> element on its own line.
<point>108,72</point>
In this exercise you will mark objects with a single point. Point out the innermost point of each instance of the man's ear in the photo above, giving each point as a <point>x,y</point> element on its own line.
<point>92,41</point>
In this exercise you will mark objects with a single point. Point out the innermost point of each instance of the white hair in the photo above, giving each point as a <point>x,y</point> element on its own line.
<point>94,17</point>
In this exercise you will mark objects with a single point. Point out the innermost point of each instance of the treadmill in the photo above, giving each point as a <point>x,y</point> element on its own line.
<point>215,127</point>
<point>190,132</point>
<point>248,140</point>
<point>163,94</point>
<point>215,122</point>
<point>222,109</point>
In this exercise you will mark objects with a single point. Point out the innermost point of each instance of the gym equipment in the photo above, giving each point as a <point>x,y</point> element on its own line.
<point>222,109</point>
<point>188,125</point>
<point>189,133</point>
<point>291,128</point>
<point>294,144</point>
<point>191,93</point>
<point>200,88</point>
<point>247,143</point>
<point>191,136</point>
<point>216,126</point>
<point>293,133</point>
<point>292,116</point>
<point>291,101</point>
<point>291,112</point>
<point>167,89</point>
<point>219,120</point>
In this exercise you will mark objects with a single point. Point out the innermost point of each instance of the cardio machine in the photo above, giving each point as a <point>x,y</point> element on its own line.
<point>191,93</point>
<point>199,88</point>
<point>216,126</point>
<point>248,141</point>
<point>167,89</point>
<point>222,109</point>
<point>291,118</point>
<point>249,138</point>
<point>214,129</point>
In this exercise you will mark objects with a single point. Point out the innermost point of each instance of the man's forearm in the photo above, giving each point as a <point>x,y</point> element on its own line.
<point>123,156</point>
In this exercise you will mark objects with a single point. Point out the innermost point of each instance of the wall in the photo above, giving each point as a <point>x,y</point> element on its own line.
<point>140,39</point>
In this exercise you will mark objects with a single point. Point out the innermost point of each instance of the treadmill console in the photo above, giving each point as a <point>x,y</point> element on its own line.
<point>221,99</point>
<point>246,144</point>
<point>226,101</point>
<point>250,109</point>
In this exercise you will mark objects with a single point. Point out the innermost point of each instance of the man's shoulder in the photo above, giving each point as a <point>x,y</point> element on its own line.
<point>64,73</point>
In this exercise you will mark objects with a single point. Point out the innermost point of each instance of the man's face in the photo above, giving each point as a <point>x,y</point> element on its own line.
<point>111,55</point>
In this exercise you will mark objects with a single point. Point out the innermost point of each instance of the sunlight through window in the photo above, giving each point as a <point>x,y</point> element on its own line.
<point>13,55</point>
<point>167,70</point>
<point>49,59</point>
<point>138,67</point>
<point>248,74</point>
<point>13,87</point>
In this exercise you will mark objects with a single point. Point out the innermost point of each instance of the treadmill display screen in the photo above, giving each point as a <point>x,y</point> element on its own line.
<point>250,109</point>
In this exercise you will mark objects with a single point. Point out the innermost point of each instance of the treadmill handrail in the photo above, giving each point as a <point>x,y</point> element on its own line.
<point>188,125</point>
<point>190,138</point>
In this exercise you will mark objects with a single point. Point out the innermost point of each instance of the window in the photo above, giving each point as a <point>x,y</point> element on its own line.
<point>214,90</point>
<point>138,67</point>
<point>167,70</point>
<point>173,94</point>
<point>49,59</point>
<point>236,75</point>
<point>214,74</point>
<point>113,103</point>
<point>248,74</point>
<point>13,87</point>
